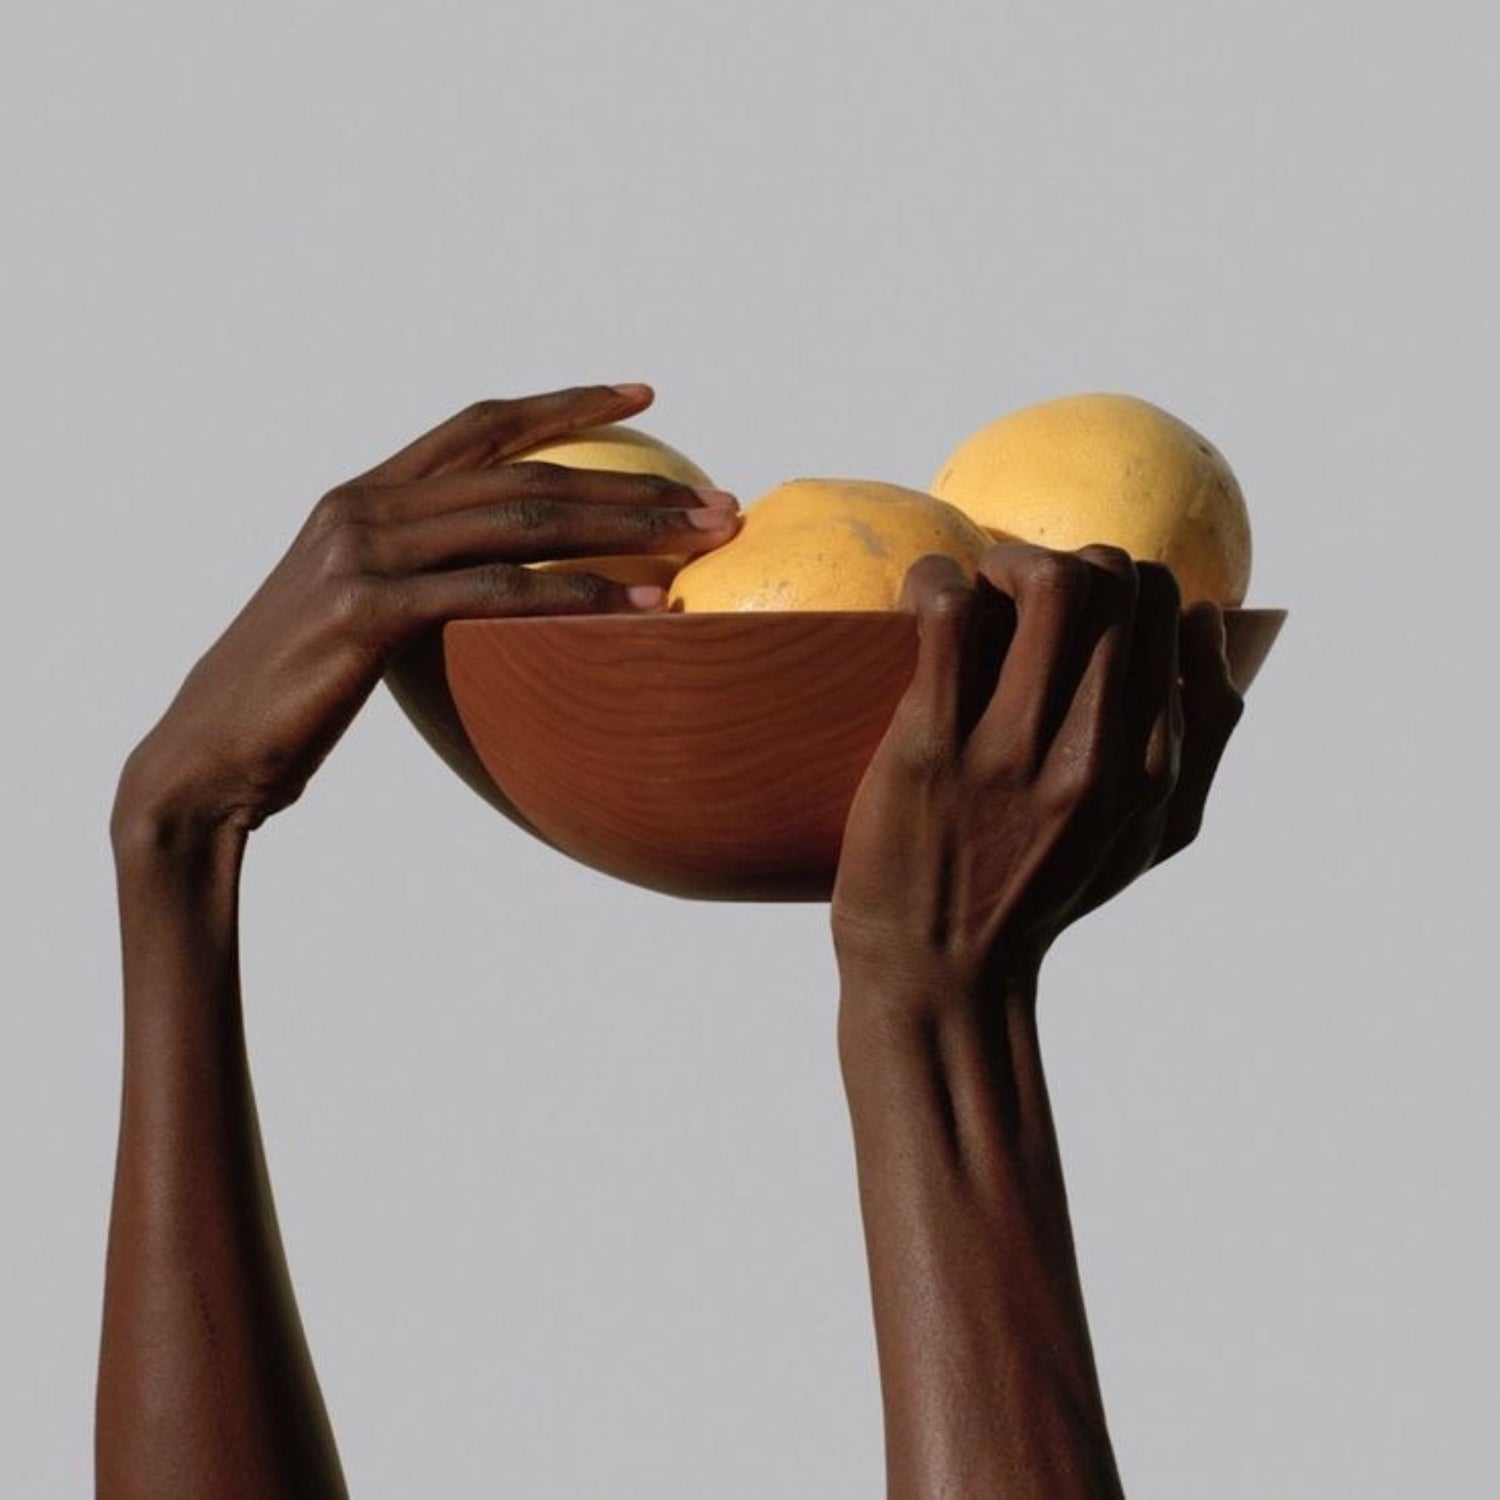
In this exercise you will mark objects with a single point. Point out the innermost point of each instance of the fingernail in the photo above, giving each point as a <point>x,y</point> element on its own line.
<point>713,517</point>
<point>633,390</point>
<point>646,596</point>
<point>720,498</point>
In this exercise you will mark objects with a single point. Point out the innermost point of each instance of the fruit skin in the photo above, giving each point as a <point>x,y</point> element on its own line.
<point>826,544</point>
<point>1113,469</point>
<point>626,450</point>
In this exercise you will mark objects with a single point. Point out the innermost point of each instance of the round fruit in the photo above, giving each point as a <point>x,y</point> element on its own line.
<point>626,450</point>
<point>826,544</point>
<point>1113,469</point>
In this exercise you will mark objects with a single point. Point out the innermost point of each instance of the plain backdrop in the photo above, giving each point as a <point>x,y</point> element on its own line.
<point>563,1166</point>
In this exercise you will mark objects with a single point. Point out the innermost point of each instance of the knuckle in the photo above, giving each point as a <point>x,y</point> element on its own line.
<point>656,521</point>
<point>1077,781</point>
<point>652,521</point>
<point>401,604</point>
<point>1005,768</point>
<point>1109,558</point>
<point>1159,583</point>
<point>358,603</point>
<point>951,601</point>
<point>665,491</point>
<point>501,583</point>
<point>486,414</point>
<point>534,474</point>
<point>1063,573</point>
<point>344,550</point>
<point>528,514</point>
<point>928,577</point>
<point>338,506</point>
<point>1061,791</point>
<point>590,590</point>
<point>667,494</point>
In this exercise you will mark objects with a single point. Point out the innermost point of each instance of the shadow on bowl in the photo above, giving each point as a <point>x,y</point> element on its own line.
<point>712,756</point>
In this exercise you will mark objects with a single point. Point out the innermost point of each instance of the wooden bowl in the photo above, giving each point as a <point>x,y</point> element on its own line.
<point>711,756</point>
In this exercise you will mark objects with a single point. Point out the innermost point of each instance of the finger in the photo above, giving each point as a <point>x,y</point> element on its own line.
<point>526,479</point>
<point>537,529</point>
<point>1151,711</point>
<point>1105,637</point>
<point>489,431</point>
<point>1152,699</point>
<point>1211,707</point>
<point>499,590</point>
<point>1050,593</point>
<point>932,711</point>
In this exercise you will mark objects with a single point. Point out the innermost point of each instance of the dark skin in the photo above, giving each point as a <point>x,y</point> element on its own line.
<point>1004,802</point>
<point>1014,791</point>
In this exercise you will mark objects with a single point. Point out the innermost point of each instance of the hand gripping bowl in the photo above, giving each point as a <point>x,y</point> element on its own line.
<point>704,755</point>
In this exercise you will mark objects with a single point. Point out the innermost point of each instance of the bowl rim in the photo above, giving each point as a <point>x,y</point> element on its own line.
<point>1264,613</point>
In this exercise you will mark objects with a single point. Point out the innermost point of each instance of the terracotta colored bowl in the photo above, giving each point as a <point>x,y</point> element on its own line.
<point>710,755</point>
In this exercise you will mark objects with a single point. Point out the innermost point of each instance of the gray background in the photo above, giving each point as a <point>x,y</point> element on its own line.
<point>563,1166</point>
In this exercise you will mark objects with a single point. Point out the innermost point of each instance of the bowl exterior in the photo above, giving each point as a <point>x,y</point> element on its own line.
<point>711,756</point>
<point>707,756</point>
<point>1249,635</point>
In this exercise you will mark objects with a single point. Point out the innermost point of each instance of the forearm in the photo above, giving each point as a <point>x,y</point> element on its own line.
<point>206,1387</point>
<point>987,1372</point>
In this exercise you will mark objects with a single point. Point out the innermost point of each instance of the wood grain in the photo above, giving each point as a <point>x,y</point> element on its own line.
<point>711,756</point>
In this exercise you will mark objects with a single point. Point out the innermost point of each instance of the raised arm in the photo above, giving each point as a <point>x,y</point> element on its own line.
<point>1004,802</point>
<point>206,1386</point>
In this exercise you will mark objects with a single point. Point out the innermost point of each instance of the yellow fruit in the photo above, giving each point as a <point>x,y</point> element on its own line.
<point>626,450</point>
<point>1113,469</point>
<point>826,544</point>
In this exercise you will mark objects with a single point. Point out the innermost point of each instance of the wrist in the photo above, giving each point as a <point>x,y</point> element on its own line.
<point>915,991</point>
<point>177,870</point>
<point>890,1029</point>
<point>161,812</point>
<point>172,844</point>
<point>946,1068</point>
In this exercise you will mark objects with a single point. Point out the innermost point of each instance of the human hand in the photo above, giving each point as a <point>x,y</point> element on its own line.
<point>439,531</point>
<point>1010,796</point>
